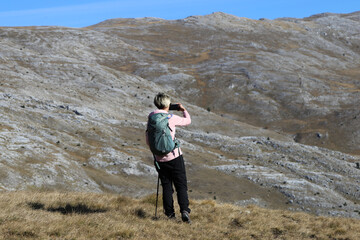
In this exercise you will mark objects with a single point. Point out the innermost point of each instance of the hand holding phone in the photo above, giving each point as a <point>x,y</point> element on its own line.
<point>174,106</point>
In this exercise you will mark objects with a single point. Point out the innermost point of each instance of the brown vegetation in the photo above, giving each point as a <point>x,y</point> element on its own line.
<point>45,215</point>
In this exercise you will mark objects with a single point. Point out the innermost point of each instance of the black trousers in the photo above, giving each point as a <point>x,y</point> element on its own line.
<point>173,173</point>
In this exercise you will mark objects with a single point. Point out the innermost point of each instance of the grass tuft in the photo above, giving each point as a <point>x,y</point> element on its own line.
<point>124,234</point>
<point>236,223</point>
<point>140,213</point>
<point>277,232</point>
<point>151,199</point>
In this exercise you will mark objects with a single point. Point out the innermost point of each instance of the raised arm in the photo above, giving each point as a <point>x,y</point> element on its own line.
<point>181,121</point>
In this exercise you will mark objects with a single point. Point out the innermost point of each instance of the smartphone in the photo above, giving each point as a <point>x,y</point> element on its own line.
<point>175,107</point>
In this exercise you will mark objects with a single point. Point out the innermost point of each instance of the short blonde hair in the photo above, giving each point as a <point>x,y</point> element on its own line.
<point>162,100</point>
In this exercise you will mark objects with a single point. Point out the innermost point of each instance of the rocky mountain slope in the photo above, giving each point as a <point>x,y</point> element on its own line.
<point>74,104</point>
<point>299,76</point>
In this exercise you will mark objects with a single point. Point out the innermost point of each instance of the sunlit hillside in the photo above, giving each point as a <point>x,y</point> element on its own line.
<point>273,103</point>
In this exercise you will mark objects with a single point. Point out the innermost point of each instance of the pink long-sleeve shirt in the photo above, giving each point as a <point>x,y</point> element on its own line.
<point>174,121</point>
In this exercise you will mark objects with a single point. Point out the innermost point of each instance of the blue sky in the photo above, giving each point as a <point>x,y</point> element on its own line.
<point>81,13</point>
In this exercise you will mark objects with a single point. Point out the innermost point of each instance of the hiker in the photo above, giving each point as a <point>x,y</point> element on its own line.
<point>170,166</point>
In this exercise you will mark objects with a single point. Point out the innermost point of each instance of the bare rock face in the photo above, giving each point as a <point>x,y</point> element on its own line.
<point>74,104</point>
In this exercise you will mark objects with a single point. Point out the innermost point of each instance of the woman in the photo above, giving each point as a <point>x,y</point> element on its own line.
<point>171,167</point>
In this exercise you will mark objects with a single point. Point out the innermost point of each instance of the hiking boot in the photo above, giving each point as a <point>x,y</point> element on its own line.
<point>185,216</point>
<point>171,216</point>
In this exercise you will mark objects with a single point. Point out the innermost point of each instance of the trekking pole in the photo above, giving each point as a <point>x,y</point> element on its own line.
<point>157,196</point>
<point>158,183</point>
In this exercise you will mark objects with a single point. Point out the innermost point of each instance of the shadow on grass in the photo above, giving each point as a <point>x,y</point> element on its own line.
<point>68,209</point>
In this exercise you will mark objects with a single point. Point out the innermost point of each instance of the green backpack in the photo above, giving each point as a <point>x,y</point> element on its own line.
<point>159,136</point>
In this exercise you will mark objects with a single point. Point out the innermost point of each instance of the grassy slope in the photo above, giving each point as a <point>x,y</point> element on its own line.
<point>44,215</point>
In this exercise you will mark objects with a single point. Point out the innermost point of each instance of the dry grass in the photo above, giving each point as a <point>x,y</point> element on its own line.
<point>26,215</point>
